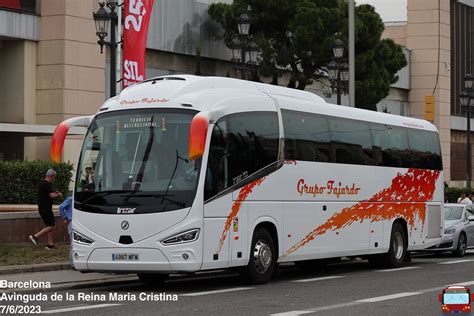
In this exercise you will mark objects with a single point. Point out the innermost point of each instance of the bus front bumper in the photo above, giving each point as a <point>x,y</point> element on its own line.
<point>130,259</point>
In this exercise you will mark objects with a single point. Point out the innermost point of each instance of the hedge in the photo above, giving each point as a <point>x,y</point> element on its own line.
<point>452,194</point>
<point>20,180</point>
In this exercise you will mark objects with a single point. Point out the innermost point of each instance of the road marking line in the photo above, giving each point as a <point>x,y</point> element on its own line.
<point>319,279</point>
<point>370,300</point>
<point>78,308</point>
<point>397,269</point>
<point>387,297</point>
<point>292,313</point>
<point>317,309</point>
<point>456,261</point>
<point>218,291</point>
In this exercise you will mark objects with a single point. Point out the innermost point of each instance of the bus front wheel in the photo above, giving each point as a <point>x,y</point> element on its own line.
<point>152,278</point>
<point>262,259</point>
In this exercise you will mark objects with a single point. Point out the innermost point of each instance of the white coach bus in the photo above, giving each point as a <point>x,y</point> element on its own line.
<point>186,173</point>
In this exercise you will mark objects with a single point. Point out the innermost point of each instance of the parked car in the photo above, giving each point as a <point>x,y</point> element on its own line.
<point>458,229</point>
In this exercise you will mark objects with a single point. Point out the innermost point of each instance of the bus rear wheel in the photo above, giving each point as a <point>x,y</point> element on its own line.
<point>262,259</point>
<point>152,278</point>
<point>395,257</point>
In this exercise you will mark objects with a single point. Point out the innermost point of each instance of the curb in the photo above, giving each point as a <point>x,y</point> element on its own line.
<point>103,284</point>
<point>42,267</point>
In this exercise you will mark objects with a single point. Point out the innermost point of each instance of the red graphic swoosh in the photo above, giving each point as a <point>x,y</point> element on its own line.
<point>243,194</point>
<point>406,197</point>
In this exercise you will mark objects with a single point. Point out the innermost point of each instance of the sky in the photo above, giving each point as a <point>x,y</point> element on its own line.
<point>389,10</point>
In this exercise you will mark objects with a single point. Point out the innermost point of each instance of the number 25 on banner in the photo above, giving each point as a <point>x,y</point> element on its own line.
<point>137,18</point>
<point>136,7</point>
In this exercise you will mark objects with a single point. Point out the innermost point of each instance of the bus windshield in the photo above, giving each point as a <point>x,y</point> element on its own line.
<point>136,161</point>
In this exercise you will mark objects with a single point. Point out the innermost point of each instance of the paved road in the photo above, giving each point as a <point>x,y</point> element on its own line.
<point>348,288</point>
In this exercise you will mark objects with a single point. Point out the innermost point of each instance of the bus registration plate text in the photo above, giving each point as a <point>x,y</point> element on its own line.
<point>124,257</point>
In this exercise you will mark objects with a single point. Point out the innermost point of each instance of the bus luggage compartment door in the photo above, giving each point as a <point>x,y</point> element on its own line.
<point>434,221</point>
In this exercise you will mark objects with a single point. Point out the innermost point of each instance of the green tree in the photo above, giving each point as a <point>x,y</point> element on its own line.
<point>297,36</point>
<point>377,60</point>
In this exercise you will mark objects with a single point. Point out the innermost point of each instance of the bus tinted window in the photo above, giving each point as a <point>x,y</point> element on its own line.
<point>351,141</point>
<point>241,144</point>
<point>390,146</point>
<point>306,136</point>
<point>425,149</point>
<point>313,137</point>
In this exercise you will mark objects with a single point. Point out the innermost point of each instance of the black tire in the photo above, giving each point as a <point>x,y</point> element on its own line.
<point>395,257</point>
<point>462,246</point>
<point>263,256</point>
<point>152,278</point>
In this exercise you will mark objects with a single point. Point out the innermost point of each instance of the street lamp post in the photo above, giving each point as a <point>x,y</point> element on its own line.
<point>338,70</point>
<point>102,18</point>
<point>466,98</point>
<point>244,49</point>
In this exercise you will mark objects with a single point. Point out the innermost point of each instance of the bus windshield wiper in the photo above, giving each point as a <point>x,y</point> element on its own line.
<point>165,197</point>
<point>102,194</point>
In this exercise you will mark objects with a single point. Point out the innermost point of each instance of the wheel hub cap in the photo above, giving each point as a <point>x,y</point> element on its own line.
<point>262,255</point>
<point>398,245</point>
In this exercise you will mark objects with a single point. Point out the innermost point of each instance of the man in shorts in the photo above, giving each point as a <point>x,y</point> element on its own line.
<point>45,209</point>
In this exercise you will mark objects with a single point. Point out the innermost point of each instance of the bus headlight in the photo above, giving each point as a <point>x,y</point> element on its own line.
<point>181,238</point>
<point>81,238</point>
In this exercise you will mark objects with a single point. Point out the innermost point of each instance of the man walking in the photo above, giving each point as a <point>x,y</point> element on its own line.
<point>45,209</point>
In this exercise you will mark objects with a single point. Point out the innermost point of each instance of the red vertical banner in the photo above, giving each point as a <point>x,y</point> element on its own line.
<point>135,28</point>
<point>10,4</point>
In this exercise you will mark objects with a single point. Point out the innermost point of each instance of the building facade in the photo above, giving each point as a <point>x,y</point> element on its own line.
<point>439,35</point>
<point>51,67</point>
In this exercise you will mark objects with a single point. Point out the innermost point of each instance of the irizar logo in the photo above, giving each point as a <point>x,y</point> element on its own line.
<point>126,210</point>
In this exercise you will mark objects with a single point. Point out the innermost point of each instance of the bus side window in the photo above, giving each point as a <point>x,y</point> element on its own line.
<point>253,143</point>
<point>351,141</point>
<point>306,136</point>
<point>241,144</point>
<point>425,149</point>
<point>392,141</point>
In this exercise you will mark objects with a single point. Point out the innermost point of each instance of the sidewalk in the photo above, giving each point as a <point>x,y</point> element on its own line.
<point>63,279</point>
<point>29,268</point>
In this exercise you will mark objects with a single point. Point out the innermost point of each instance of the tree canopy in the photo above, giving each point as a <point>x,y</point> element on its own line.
<point>297,36</point>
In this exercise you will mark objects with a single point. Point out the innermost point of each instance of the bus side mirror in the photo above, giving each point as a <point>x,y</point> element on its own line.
<point>440,297</point>
<point>198,135</point>
<point>60,132</point>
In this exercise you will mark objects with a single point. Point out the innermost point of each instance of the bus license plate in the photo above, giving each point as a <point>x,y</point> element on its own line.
<point>124,257</point>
